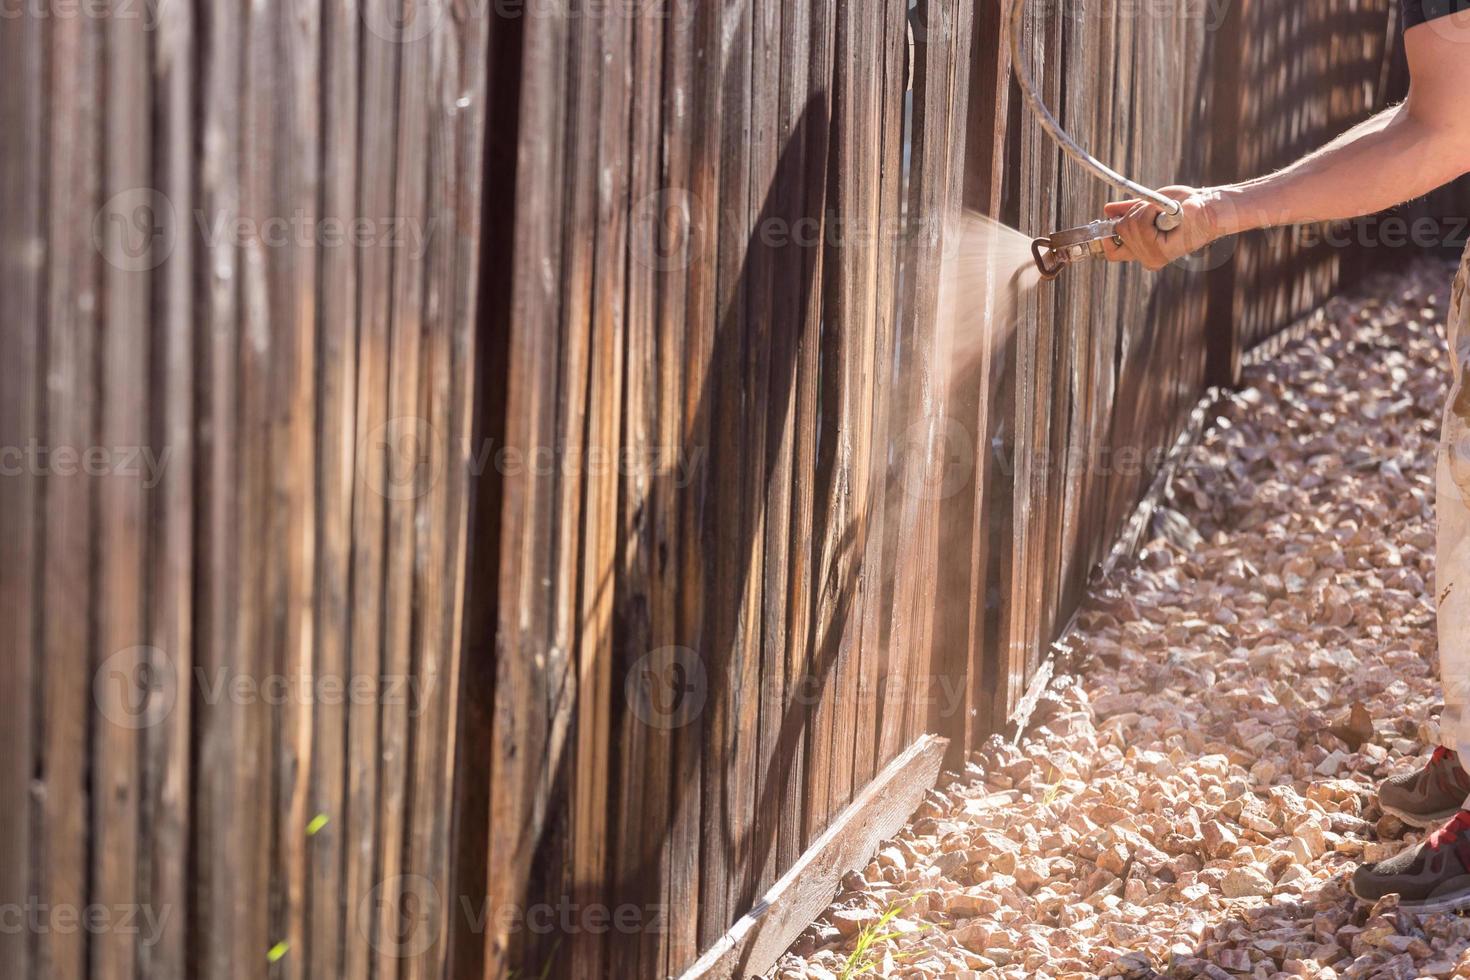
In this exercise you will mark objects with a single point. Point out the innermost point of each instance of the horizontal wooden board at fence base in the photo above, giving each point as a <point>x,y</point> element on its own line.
<point>879,811</point>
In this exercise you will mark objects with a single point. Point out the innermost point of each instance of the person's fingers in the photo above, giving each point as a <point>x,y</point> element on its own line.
<point>1142,238</point>
<point>1127,229</point>
<point>1157,248</point>
<point>1113,251</point>
<point>1141,220</point>
<point>1118,209</point>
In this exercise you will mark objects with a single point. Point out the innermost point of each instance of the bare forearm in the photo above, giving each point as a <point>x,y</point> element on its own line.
<point>1389,159</point>
<point>1395,156</point>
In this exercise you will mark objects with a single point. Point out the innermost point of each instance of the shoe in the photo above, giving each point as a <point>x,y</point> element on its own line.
<point>1431,795</point>
<point>1430,877</point>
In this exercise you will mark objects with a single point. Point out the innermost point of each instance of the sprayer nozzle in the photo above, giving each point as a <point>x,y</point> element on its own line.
<point>1049,262</point>
<point>1062,248</point>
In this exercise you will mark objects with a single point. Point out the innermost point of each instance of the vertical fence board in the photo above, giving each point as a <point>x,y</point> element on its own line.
<point>261,590</point>
<point>674,239</point>
<point>363,888</point>
<point>121,580</point>
<point>295,449</point>
<point>217,810</point>
<point>402,444</point>
<point>812,667</point>
<point>337,307</point>
<point>769,365</point>
<point>73,296</point>
<point>168,784</point>
<point>22,401</point>
<point>644,613</point>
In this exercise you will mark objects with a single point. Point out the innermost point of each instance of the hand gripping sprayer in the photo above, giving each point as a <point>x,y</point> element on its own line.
<point>1060,249</point>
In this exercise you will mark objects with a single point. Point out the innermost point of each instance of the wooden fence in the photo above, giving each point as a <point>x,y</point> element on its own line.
<point>1307,72</point>
<point>487,484</point>
<point>239,271</point>
<point>828,543</point>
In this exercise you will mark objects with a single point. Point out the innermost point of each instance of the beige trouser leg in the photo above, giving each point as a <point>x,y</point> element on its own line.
<point>1452,567</point>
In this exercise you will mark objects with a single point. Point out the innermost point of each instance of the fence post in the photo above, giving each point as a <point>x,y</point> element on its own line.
<point>1222,365</point>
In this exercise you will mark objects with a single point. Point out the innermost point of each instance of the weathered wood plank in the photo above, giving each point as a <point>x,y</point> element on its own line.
<point>294,309</point>
<point>337,462</point>
<point>520,743</point>
<point>945,393</point>
<point>676,600</point>
<point>484,304</point>
<point>768,365</point>
<point>413,452</point>
<point>591,828</point>
<point>788,536</point>
<point>262,588</point>
<point>69,583</point>
<point>168,784</point>
<point>121,580</point>
<point>875,814</point>
<point>217,807</point>
<point>811,667</point>
<point>644,611</point>
<point>732,550</point>
<point>457,107</point>
<point>22,270</point>
<point>488,62</point>
<point>365,892</point>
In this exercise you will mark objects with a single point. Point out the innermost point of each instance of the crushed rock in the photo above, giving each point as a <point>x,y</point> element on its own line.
<point>1192,804</point>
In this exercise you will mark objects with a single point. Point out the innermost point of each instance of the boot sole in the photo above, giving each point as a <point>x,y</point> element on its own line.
<point>1457,902</point>
<point>1424,821</point>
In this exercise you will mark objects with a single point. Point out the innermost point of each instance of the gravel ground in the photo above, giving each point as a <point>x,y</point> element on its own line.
<point>1195,800</point>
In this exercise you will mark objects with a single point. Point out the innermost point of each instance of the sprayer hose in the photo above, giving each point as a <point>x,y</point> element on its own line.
<point>1069,146</point>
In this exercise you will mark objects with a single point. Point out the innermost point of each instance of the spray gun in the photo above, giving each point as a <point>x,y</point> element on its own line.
<point>1060,249</point>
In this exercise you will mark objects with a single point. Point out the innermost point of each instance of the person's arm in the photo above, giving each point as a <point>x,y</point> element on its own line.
<point>1399,154</point>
